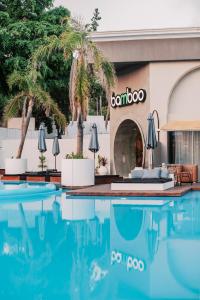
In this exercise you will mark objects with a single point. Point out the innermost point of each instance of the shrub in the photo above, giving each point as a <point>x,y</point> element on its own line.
<point>74,156</point>
<point>102,161</point>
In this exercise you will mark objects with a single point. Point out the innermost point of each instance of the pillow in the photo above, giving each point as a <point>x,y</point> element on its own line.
<point>172,170</point>
<point>164,173</point>
<point>151,173</point>
<point>137,173</point>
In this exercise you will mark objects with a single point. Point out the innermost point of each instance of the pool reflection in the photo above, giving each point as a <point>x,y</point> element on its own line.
<point>81,249</point>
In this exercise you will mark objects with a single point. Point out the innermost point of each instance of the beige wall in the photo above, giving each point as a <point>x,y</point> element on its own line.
<point>164,78</point>
<point>173,89</point>
<point>137,112</point>
<point>17,123</point>
<point>158,49</point>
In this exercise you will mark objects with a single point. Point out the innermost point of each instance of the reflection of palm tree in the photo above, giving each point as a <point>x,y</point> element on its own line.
<point>153,236</point>
<point>41,223</point>
<point>26,238</point>
<point>34,274</point>
<point>56,211</point>
<point>185,218</point>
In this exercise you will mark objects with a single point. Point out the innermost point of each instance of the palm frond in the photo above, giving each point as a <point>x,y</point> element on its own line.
<point>17,79</point>
<point>70,41</point>
<point>109,73</point>
<point>95,55</point>
<point>43,100</point>
<point>14,106</point>
<point>52,44</point>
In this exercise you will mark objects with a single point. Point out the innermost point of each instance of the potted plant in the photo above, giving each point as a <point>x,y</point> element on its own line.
<point>77,170</point>
<point>43,162</point>
<point>102,163</point>
<point>30,95</point>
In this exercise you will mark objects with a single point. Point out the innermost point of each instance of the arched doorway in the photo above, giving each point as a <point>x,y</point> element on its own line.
<point>128,148</point>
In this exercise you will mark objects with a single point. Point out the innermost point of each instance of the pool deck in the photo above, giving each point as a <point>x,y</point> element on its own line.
<point>105,190</point>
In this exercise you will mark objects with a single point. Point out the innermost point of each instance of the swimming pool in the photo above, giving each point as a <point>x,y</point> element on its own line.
<point>82,248</point>
<point>11,190</point>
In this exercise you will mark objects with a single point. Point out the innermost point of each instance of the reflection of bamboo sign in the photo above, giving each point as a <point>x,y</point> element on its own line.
<point>131,262</point>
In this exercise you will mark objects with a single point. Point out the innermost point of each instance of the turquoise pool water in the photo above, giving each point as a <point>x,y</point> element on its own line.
<point>78,248</point>
<point>13,190</point>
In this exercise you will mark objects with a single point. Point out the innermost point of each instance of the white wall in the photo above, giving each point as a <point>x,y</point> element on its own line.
<point>9,148</point>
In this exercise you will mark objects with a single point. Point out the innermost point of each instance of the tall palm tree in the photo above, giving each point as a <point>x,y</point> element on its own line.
<point>75,44</point>
<point>30,95</point>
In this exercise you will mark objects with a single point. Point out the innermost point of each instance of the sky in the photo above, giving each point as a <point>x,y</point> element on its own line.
<point>137,14</point>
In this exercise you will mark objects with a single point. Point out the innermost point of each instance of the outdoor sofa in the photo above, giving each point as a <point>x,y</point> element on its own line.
<point>184,173</point>
<point>145,179</point>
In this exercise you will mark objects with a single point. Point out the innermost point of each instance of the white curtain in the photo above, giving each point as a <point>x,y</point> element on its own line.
<point>196,147</point>
<point>183,147</point>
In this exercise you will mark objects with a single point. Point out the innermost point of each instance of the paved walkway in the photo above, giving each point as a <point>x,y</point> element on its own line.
<point>105,190</point>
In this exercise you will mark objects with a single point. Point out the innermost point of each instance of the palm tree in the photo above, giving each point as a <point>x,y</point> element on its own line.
<point>30,95</point>
<point>76,44</point>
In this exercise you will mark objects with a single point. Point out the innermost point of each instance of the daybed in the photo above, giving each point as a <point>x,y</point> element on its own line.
<point>145,180</point>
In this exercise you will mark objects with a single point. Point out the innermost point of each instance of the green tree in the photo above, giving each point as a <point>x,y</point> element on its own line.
<point>77,46</point>
<point>20,36</point>
<point>98,103</point>
<point>19,9</point>
<point>30,95</point>
<point>94,21</point>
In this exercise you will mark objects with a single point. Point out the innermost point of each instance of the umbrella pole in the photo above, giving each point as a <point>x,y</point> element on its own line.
<point>55,162</point>
<point>42,161</point>
<point>150,158</point>
<point>94,167</point>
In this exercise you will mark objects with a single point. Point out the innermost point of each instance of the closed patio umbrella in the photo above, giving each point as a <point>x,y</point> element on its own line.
<point>94,143</point>
<point>41,141</point>
<point>55,148</point>
<point>151,141</point>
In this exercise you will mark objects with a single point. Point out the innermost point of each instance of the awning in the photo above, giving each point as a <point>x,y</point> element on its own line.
<point>182,126</point>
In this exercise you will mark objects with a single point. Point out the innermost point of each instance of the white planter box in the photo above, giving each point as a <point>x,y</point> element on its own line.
<point>15,166</point>
<point>77,172</point>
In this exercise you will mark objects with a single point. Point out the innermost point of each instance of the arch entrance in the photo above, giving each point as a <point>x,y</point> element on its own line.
<point>128,147</point>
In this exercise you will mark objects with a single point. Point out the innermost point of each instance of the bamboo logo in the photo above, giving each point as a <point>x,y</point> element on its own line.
<point>128,98</point>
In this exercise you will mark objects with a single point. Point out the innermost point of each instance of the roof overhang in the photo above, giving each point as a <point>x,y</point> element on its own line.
<point>171,44</point>
<point>182,126</point>
<point>145,34</point>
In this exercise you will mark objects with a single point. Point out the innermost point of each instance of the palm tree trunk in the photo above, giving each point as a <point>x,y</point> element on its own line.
<point>25,124</point>
<point>80,135</point>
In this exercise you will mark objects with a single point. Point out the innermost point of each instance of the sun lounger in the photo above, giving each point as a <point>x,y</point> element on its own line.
<point>144,183</point>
